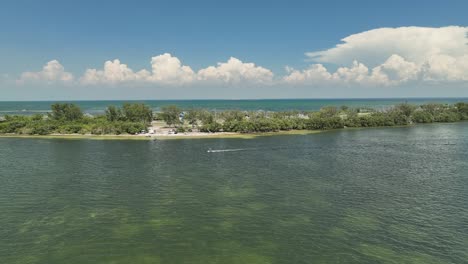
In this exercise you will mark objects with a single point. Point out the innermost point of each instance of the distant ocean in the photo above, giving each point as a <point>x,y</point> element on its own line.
<point>96,107</point>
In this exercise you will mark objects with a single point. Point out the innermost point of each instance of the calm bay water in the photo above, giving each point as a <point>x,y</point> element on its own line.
<point>94,107</point>
<point>387,195</point>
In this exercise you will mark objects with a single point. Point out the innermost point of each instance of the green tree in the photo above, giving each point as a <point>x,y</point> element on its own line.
<point>192,117</point>
<point>206,117</point>
<point>422,117</point>
<point>328,111</point>
<point>447,116</point>
<point>113,113</point>
<point>462,108</point>
<point>37,117</point>
<point>211,127</point>
<point>406,109</point>
<point>170,114</point>
<point>137,112</point>
<point>233,115</point>
<point>66,112</point>
<point>432,108</point>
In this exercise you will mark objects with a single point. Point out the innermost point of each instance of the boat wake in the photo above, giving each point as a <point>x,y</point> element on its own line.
<point>224,150</point>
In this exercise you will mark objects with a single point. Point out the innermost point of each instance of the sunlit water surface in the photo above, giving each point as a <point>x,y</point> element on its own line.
<point>390,195</point>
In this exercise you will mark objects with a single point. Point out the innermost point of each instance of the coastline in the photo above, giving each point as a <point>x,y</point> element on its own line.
<point>138,122</point>
<point>202,135</point>
<point>220,135</point>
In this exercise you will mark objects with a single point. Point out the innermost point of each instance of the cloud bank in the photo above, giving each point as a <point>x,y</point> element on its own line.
<point>397,55</point>
<point>167,69</point>
<point>416,44</point>
<point>379,57</point>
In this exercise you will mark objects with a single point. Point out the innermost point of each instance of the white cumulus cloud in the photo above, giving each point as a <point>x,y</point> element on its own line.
<point>415,44</point>
<point>443,67</point>
<point>53,71</point>
<point>396,70</point>
<point>164,69</point>
<point>379,57</point>
<point>167,69</point>
<point>315,72</point>
<point>391,56</point>
<point>235,71</point>
<point>113,72</point>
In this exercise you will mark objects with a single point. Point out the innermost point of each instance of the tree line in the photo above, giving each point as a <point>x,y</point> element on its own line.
<point>327,118</point>
<point>68,118</point>
<point>132,118</point>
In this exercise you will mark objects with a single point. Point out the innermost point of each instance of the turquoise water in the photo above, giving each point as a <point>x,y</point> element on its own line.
<point>386,195</point>
<point>268,105</point>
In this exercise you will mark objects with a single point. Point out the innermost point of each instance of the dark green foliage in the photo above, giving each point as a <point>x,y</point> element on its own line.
<point>134,118</point>
<point>72,128</point>
<point>170,115</point>
<point>265,125</point>
<point>405,109</point>
<point>318,122</point>
<point>433,109</point>
<point>211,127</point>
<point>192,117</point>
<point>328,111</point>
<point>252,126</point>
<point>135,113</point>
<point>233,115</point>
<point>117,128</point>
<point>206,117</point>
<point>237,126</point>
<point>422,117</point>
<point>68,119</point>
<point>132,127</point>
<point>42,128</point>
<point>14,126</point>
<point>114,114</point>
<point>181,129</point>
<point>447,116</point>
<point>66,112</point>
<point>462,109</point>
<point>37,117</point>
<point>399,118</point>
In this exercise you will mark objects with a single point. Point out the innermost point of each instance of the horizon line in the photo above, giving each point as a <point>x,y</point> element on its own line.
<point>242,99</point>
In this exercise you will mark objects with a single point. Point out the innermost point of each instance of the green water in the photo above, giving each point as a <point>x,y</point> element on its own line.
<point>390,195</point>
<point>98,107</point>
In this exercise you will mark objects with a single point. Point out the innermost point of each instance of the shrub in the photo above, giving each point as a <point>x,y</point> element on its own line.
<point>422,117</point>
<point>181,129</point>
<point>211,127</point>
<point>132,128</point>
<point>447,116</point>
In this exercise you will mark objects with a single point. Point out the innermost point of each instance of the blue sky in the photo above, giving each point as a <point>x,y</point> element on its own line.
<point>82,35</point>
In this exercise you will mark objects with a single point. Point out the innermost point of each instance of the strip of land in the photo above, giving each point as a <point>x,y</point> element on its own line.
<point>139,122</point>
<point>187,135</point>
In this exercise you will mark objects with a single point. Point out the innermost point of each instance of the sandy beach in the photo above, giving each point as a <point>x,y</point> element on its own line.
<point>163,136</point>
